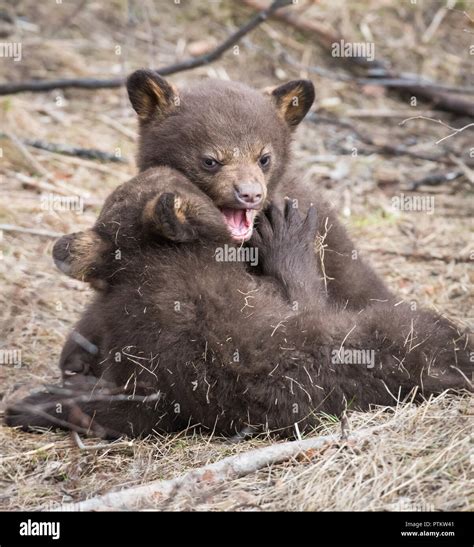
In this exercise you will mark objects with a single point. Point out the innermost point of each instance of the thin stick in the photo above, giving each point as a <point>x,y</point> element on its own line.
<point>38,168</point>
<point>327,36</point>
<point>86,153</point>
<point>98,446</point>
<point>87,163</point>
<point>400,81</point>
<point>58,148</point>
<point>32,231</point>
<point>41,184</point>
<point>48,446</point>
<point>465,169</point>
<point>132,135</point>
<point>59,187</point>
<point>225,470</point>
<point>422,256</point>
<point>384,148</point>
<point>188,64</point>
<point>455,130</point>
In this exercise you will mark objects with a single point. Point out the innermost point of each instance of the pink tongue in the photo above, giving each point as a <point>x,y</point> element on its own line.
<point>236,219</point>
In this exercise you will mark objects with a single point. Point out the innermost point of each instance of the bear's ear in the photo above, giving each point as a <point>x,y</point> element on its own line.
<point>293,100</point>
<point>151,95</point>
<point>81,255</point>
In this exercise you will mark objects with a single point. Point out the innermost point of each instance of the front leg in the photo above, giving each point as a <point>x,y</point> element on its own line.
<point>285,243</point>
<point>351,282</point>
<point>180,216</point>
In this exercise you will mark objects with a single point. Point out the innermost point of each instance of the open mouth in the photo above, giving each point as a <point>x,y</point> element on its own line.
<point>239,222</point>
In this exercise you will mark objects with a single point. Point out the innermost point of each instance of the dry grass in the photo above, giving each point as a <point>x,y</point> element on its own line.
<point>418,461</point>
<point>421,459</point>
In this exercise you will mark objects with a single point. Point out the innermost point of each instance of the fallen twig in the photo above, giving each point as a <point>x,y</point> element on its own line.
<point>384,148</point>
<point>87,153</point>
<point>90,164</point>
<point>59,187</point>
<point>436,21</point>
<point>109,83</point>
<point>225,470</point>
<point>20,146</point>
<point>376,69</point>
<point>32,231</point>
<point>435,179</point>
<point>401,81</point>
<point>28,453</point>
<point>98,446</point>
<point>455,130</point>
<point>129,133</point>
<point>422,256</point>
<point>465,168</point>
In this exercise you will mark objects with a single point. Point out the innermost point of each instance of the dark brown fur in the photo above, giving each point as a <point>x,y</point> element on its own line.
<point>165,225</point>
<point>225,349</point>
<point>233,123</point>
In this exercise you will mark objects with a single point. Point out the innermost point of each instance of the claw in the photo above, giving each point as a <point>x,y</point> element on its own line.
<point>310,223</point>
<point>276,217</point>
<point>292,213</point>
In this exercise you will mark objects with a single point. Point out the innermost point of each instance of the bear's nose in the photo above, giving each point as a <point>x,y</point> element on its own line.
<point>249,193</point>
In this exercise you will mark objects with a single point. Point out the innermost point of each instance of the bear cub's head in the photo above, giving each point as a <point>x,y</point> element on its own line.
<point>230,140</point>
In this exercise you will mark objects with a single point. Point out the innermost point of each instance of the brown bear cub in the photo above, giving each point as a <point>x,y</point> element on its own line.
<point>176,337</point>
<point>190,340</point>
<point>233,143</point>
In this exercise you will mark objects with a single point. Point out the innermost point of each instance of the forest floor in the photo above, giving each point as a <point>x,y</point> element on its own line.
<point>420,460</point>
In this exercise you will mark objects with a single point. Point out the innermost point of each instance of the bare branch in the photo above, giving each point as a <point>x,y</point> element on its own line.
<point>32,231</point>
<point>434,179</point>
<point>401,81</point>
<point>422,256</point>
<point>58,148</point>
<point>455,130</point>
<point>226,470</point>
<point>98,446</point>
<point>384,148</point>
<point>326,37</point>
<point>87,153</point>
<point>110,83</point>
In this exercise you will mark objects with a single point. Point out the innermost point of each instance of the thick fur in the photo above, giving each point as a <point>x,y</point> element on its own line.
<point>235,124</point>
<point>230,346</point>
<point>187,340</point>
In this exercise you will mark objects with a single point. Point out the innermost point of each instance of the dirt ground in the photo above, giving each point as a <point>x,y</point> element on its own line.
<point>421,459</point>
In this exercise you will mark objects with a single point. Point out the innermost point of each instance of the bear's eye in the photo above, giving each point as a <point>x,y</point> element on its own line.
<point>210,164</point>
<point>264,161</point>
